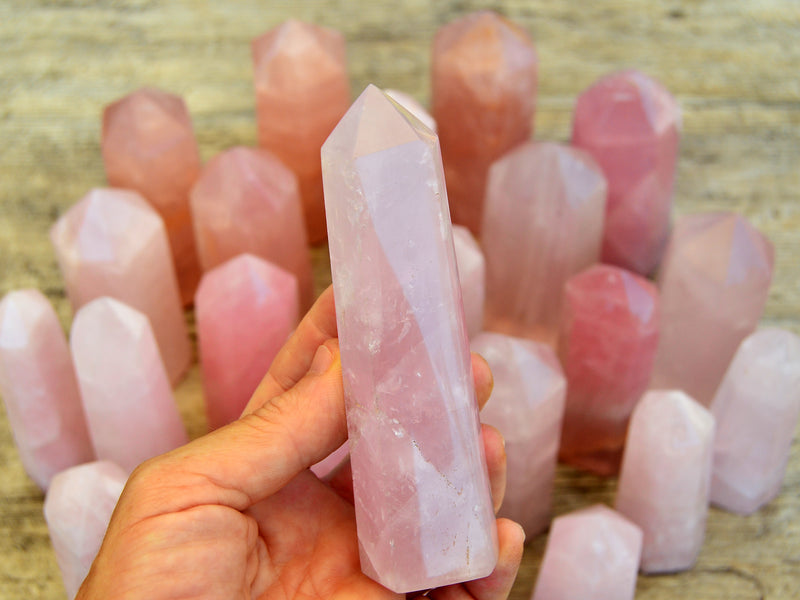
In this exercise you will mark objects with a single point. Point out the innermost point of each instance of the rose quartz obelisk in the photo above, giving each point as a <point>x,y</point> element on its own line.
<point>664,483</point>
<point>714,283</point>
<point>608,342</point>
<point>484,92</point>
<point>592,553</point>
<point>77,509</point>
<point>245,310</point>
<point>112,243</point>
<point>422,500</point>
<point>246,201</point>
<point>756,409</point>
<point>302,90</point>
<point>527,406</point>
<point>37,381</point>
<point>129,406</point>
<point>631,125</point>
<point>149,146</point>
<point>543,222</point>
<point>472,276</point>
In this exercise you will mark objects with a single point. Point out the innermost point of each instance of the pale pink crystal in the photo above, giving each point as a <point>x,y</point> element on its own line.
<point>112,243</point>
<point>245,310</point>
<point>413,106</point>
<point>714,283</point>
<point>472,276</point>
<point>591,554</point>
<point>37,381</point>
<point>129,406</point>
<point>422,499</point>
<point>246,200</point>
<point>149,146</point>
<point>756,409</point>
<point>543,222</point>
<point>77,509</point>
<point>302,90</point>
<point>484,92</point>
<point>608,342</point>
<point>631,125</point>
<point>664,482</point>
<point>527,406</point>
<point>331,462</point>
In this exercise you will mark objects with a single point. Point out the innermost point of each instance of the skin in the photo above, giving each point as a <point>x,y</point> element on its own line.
<point>237,514</point>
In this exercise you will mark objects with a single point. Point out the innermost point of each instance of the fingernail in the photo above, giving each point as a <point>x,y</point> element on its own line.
<point>322,360</point>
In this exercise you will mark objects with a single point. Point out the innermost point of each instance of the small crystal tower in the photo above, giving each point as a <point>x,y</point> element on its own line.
<point>422,499</point>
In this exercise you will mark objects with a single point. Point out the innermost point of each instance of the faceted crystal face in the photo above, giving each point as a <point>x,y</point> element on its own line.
<point>37,382</point>
<point>245,310</point>
<point>545,205</point>
<point>149,146</point>
<point>77,509</point>
<point>526,406</point>
<point>756,409</point>
<point>609,335</point>
<point>422,500</point>
<point>591,553</point>
<point>112,243</point>
<point>664,483</point>
<point>246,201</point>
<point>631,125</point>
<point>413,106</point>
<point>484,94</point>
<point>472,276</point>
<point>302,90</point>
<point>714,283</point>
<point>129,406</point>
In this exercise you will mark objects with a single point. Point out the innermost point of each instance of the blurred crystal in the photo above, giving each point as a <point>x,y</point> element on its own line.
<point>714,283</point>
<point>484,94</point>
<point>245,310</point>
<point>129,406</point>
<point>112,243</point>
<point>545,205</point>
<point>664,482</point>
<point>631,125</point>
<point>149,146</point>
<point>526,406</point>
<point>246,201</point>
<point>609,334</point>
<point>37,381</point>
<point>756,409</point>
<point>472,276</point>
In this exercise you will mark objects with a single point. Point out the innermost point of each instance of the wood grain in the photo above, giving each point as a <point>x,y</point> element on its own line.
<point>732,65</point>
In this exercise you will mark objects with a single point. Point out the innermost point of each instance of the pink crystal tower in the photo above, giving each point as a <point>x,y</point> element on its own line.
<point>112,243</point>
<point>591,553</point>
<point>484,93</point>
<point>714,283</point>
<point>631,125</point>
<point>77,509</point>
<point>126,394</point>
<point>545,205</point>
<point>422,500</point>
<point>472,276</point>
<point>756,409</point>
<point>664,482</point>
<point>246,200</point>
<point>608,342</point>
<point>527,406</point>
<point>149,146</point>
<point>302,90</point>
<point>37,382</point>
<point>245,310</point>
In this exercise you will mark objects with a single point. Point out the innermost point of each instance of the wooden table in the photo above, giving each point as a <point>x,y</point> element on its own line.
<point>732,65</point>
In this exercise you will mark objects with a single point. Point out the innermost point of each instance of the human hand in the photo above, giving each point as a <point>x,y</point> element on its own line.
<point>237,514</point>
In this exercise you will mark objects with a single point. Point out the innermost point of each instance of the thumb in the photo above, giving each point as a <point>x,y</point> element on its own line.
<point>255,456</point>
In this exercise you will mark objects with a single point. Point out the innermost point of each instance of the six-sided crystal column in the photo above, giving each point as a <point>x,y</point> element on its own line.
<point>422,499</point>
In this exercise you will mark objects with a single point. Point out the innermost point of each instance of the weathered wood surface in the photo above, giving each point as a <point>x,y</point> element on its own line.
<point>732,64</point>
